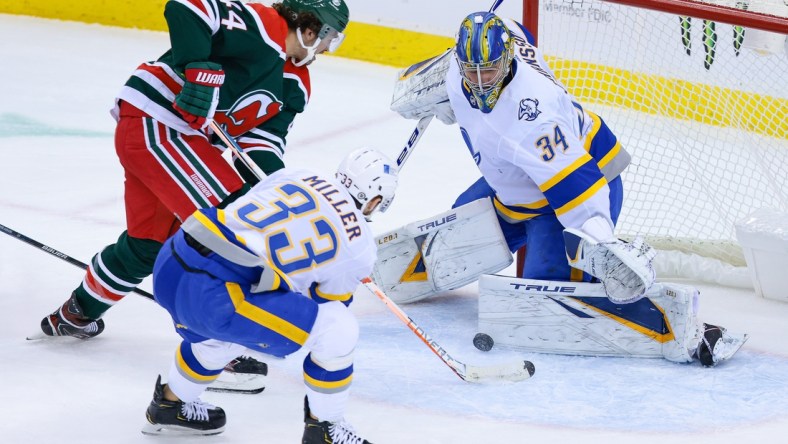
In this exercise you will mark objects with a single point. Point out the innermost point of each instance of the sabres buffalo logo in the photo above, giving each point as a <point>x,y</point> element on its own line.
<point>528,109</point>
<point>249,111</point>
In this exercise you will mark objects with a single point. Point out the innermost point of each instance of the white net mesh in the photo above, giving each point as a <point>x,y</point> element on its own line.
<point>703,115</point>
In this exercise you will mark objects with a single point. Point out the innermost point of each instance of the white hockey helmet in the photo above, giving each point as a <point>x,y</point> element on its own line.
<point>368,174</point>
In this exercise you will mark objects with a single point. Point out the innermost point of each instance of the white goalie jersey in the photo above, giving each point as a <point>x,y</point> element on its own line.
<point>531,147</point>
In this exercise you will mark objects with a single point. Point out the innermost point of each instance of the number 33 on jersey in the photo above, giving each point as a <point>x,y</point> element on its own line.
<point>307,227</point>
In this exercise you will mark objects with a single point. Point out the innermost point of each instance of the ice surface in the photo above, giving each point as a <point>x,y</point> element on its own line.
<point>61,184</point>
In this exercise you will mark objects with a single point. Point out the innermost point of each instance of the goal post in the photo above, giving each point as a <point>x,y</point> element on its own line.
<point>697,92</point>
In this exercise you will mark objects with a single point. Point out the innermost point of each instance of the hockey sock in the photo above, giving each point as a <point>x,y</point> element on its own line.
<point>128,261</point>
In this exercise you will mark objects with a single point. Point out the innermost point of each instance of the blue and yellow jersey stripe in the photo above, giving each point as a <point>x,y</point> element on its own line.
<point>269,320</point>
<point>325,381</point>
<point>213,219</point>
<point>190,368</point>
<point>599,141</point>
<point>573,185</point>
<point>320,297</point>
<point>579,181</point>
<point>521,212</point>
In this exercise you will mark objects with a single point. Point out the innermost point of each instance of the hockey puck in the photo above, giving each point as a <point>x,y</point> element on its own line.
<point>483,342</point>
<point>530,368</point>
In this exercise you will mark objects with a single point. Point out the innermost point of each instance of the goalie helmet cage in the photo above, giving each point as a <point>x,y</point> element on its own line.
<point>697,93</point>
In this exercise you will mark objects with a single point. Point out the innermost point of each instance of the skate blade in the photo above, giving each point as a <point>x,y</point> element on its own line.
<point>174,430</point>
<point>244,383</point>
<point>728,345</point>
<point>38,335</point>
<point>252,391</point>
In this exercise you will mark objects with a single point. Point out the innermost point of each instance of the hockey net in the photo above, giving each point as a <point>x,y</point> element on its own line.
<point>700,103</point>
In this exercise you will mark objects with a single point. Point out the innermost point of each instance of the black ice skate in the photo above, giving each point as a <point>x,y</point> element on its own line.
<point>69,320</point>
<point>243,374</point>
<point>182,418</point>
<point>317,432</point>
<point>717,345</point>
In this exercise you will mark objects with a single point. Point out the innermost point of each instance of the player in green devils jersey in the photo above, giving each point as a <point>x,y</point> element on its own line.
<point>244,65</point>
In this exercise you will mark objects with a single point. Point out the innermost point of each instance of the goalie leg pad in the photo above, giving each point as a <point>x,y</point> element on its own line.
<point>444,252</point>
<point>577,318</point>
<point>513,232</point>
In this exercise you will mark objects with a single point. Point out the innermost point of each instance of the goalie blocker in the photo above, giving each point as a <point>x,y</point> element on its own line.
<point>420,90</point>
<point>577,318</point>
<point>441,253</point>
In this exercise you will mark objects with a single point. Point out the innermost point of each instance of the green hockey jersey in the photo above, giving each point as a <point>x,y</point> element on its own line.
<point>262,92</point>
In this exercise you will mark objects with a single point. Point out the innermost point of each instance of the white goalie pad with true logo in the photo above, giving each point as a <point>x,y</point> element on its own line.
<point>577,318</point>
<point>441,253</point>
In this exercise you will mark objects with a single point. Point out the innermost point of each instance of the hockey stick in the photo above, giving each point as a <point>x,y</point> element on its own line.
<point>58,254</point>
<point>413,139</point>
<point>233,145</point>
<point>247,161</point>
<point>516,371</point>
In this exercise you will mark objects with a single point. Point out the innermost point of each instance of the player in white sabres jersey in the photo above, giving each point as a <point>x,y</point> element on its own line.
<point>548,163</point>
<point>552,171</point>
<point>273,272</point>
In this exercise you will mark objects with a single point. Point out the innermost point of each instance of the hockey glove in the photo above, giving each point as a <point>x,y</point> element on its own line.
<point>421,90</point>
<point>444,112</point>
<point>200,94</point>
<point>624,268</point>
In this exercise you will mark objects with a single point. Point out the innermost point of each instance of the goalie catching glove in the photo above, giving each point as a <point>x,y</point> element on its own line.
<point>420,90</point>
<point>624,268</point>
<point>199,97</point>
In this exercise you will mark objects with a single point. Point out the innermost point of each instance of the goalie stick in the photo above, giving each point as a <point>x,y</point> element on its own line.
<point>515,371</point>
<point>58,254</point>
<point>413,139</point>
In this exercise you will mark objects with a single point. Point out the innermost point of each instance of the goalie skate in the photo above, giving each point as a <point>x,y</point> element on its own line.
<point>243,374</point>
<point>718,345</point>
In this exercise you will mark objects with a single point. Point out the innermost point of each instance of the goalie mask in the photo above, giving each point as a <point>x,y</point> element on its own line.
<point>333,14</point>
<point>370,177</point>
<point>484,52</point>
